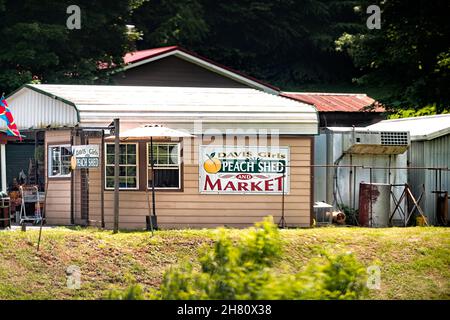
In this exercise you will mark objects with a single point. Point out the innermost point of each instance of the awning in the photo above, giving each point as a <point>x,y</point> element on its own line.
<point>151,131</point>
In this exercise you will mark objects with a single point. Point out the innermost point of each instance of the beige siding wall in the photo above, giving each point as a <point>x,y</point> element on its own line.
<point>189,208</point>
<point>58,192</point>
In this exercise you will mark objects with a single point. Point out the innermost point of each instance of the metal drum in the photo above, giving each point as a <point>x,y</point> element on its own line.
<point>374,204</point>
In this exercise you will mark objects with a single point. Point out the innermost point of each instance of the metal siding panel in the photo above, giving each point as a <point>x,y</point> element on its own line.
<point>334,149</point>
<point>33,109</point>
<point>320,173</point>
<point>431,153</point>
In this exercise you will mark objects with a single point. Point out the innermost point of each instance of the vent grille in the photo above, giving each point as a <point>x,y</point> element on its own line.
<point>394,138</point>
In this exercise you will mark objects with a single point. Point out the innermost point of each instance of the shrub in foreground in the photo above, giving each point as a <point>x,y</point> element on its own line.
<point>243,269</point>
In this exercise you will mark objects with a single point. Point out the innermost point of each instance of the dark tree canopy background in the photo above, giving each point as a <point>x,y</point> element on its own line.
<point>294,44</point>
<point>37,45</point>
<point>409,57</point>
<point>288,43</point>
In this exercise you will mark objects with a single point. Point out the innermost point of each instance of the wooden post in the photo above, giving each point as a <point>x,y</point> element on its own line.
<point>116,174</point>
<point>3,166</point>
<point>102,178</point>
<point>42,215</point>
<point>153,177</point>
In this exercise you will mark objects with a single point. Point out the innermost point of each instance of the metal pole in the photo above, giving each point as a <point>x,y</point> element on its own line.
<point>42,215</point>
<point>350,178</point>
<point>3,166</point>
<point>102,179</point>
<point>72,182</point>
<point>116,174</point>
<point>370,196</point>
<point>150,222</point>
<point>153,177</point>
<point>283,220</point>
<point>354,188</point>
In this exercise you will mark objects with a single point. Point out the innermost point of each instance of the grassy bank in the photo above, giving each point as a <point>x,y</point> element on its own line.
<point>414,262</point>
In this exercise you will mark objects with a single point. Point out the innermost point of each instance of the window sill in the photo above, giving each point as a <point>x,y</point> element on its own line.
<point>67,177</point>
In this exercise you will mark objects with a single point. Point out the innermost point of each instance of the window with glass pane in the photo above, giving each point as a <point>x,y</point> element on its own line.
<point>59,161</point>
<point>166,163</point>
<point>127,166</point>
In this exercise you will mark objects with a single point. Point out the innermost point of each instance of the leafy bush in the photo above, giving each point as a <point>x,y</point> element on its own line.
<point>425,111</point>
<point>244,270</point>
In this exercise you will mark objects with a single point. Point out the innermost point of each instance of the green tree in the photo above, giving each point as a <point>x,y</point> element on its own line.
<point>37,45</point>
<point>409,57</point>
<point>288,42</point>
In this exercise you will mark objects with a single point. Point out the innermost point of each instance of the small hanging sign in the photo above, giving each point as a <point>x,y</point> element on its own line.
<point>85,156</point>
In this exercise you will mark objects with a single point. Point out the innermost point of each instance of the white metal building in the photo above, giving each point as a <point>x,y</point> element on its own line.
<point>344,157</point>
<point>430,148</point>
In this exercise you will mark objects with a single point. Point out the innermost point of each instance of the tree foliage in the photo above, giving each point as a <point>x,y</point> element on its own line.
<point>289,43</point>
<point>37,45</point>
<point>285,42</point>
<point>244,269</point>
<point>409,57</point>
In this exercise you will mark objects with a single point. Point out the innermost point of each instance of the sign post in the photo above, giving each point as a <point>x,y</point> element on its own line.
<point>116,174</point>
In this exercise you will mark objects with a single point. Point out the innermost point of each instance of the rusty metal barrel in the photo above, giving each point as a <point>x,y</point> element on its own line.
<point>374,204</point>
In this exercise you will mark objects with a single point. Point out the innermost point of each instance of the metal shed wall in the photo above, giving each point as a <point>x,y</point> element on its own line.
<point>429,153</point>
<point>328,148</point>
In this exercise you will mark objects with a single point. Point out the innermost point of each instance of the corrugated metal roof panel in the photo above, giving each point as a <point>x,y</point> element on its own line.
<point>32,109</point>
<point>216,107</point>
<point>420,128</point>
<point>335,102</point>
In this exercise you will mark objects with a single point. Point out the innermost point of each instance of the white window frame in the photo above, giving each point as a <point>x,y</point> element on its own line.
<point>178,166</point>
<point>50,159</point>
<point>123,165</point>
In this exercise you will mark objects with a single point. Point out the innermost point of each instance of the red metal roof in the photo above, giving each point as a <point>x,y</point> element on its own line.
<point>336,102</point>
<point>136,56</point>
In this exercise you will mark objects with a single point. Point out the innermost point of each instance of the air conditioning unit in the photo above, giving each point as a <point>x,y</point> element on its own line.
<point>375,142</point>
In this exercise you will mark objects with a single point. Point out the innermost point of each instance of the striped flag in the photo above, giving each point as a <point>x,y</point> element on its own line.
<point>5,114</point>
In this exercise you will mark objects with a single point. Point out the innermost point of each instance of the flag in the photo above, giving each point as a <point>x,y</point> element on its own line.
<point>5,114</point>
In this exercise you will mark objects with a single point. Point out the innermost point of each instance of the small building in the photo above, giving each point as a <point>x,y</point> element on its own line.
<point>346,157</point>
<point>342,109</point>
<point>178,67</point>
<point>430,154</point>
<point>244,128</point>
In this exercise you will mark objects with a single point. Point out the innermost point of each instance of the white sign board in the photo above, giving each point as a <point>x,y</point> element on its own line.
<point>86,156</point>
<point>243,170</point>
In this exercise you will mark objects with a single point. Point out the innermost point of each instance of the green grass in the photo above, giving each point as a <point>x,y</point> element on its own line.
<point>414,262</point>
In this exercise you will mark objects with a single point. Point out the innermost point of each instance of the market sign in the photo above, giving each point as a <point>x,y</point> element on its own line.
<point>244,170</point>
<point>86,156</point>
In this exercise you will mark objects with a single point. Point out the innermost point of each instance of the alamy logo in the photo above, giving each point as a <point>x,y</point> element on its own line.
<point>73,277</point>
<point>374,20</point>
<point>374,278</point>
<point>74,20</point>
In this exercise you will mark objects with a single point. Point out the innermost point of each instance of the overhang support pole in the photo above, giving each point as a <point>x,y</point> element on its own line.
<point>3,165</point>
<point>102,178</point>
<point>116,174</point>
<point>153,178</point>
